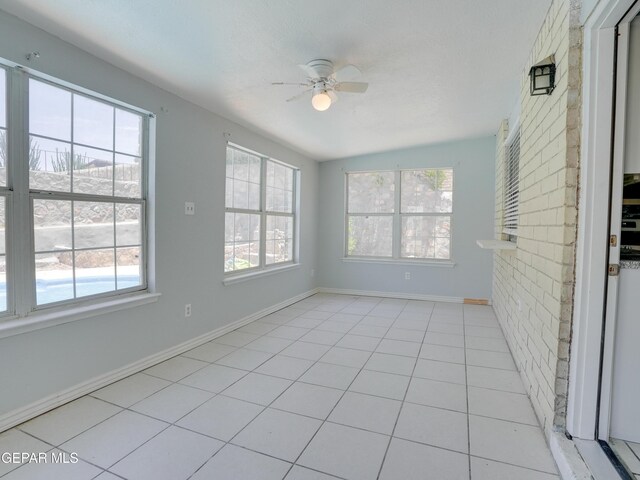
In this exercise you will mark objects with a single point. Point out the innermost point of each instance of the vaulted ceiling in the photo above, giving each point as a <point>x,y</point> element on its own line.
<point>438,70</point>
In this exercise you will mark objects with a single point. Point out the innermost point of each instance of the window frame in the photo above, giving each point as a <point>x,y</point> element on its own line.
<point>511,184</point>
<point>263,213</point>
<point>397,216</point>
<point>19,222</point>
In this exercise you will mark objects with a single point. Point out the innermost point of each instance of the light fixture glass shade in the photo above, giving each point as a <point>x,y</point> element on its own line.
<point>321,101</point>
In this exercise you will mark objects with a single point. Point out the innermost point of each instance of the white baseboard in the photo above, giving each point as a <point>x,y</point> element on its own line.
<point>405,296</point>
<point>20,415</point>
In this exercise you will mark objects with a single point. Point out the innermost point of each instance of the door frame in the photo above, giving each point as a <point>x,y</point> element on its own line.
<point>592,249</point>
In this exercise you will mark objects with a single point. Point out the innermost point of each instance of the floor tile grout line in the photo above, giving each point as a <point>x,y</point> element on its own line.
<point>337,402</point>
<point>555,474</point>
<point>467,394</point>
<point>322,421</point>
<point>173,424</point>
<point>253,419</point>
<point>331,411</point>
<point>393,430</point>
<point>173,381</point>
<point>634,453</point>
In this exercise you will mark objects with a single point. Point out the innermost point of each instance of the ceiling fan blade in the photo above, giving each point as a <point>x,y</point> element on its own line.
<point>348,72</point>
<point>300,95</point>
<point>295,84</point>
<point>351,87</point>
<point>332,96</point>
<point>309,71</point>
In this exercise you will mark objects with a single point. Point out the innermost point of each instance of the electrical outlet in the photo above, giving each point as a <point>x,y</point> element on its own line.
<point>189,208</point>
<point>407,275</point>
<point>519,304</point>
<point>313,272</point>
<point>187,310</point>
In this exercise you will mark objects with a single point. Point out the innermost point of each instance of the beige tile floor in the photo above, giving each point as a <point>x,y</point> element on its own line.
<point>333,386</point>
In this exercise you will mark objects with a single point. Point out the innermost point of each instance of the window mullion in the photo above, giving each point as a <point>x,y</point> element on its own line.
<point>20,254</point>
<point>397,226</point>
<point>263,214</point>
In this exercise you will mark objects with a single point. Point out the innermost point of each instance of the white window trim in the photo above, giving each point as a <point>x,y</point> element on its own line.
<point>401,261</point>
<point>23,314</point>
<point>396,241</point>
<point>237,276</point>
<point>15,325</point>
<point>243,277</point>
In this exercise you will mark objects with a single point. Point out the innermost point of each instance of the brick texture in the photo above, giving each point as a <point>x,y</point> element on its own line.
<point>533,285</point>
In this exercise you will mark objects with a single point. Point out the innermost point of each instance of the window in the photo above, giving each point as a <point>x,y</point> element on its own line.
<point>409,222</point>
<point>260,217</point>
<point>74,179</point>
<point>511,184</point>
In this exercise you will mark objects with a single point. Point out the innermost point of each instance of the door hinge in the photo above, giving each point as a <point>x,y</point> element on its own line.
<point>614,269</point>
<point>613,241</point>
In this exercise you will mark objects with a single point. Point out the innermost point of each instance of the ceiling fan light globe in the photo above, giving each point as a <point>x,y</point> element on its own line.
<point>321,101</point>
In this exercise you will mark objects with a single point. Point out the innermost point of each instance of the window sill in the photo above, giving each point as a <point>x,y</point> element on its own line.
<point>403,261</point>
<point>45,319</point>
<point>243,277</point>
<point>496,244</point>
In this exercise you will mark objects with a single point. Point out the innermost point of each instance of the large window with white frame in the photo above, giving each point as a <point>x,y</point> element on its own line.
<point>399,214</point>
<point>260,215</point>
<point>73,175</point>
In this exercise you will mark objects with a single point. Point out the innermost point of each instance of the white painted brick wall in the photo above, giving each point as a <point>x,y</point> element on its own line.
<point>540,273</point>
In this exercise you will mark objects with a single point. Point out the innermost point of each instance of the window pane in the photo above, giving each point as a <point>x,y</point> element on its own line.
<point>3,132</point>
<point>49,165</point>
<point>3,288</point>
<point>92,122</point>
<point>95,271</point>
<point>93,224</point>
<point>371,192</point>
<point>3,258</point>
<point>128,132</point>
<point>426,237</point>
<point>53,246</point>
<point>128,224</point>
<point>129,267</point>
<point>128,176</point>
<point>426,191</point>
<point>370,236</point>
<point>3,156</point>
<point>54,277</point>
<point>3,203</point>
<point>243,180</point>
<point>241,194</point>
<point>92,171</point>
<point>279,235</point>
<point>3,98</point>
<point>279,188</point>
<point>242,241</point>
<point>49,110</point>
<point>52,226</point>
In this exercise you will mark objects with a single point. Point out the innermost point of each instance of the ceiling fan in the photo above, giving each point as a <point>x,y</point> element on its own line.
<point>324,82</point>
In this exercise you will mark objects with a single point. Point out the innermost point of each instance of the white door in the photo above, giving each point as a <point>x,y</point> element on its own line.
<point>620,389</point>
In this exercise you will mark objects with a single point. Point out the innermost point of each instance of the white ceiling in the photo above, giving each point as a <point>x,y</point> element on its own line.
<point>438,70</point>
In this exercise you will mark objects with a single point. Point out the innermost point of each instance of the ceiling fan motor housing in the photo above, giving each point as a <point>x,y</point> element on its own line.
<point>324,68</point>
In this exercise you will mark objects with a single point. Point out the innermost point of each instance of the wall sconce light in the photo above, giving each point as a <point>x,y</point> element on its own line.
<point>543,76</point>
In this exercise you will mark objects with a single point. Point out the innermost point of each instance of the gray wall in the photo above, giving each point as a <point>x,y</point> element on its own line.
<point>190,166</point>
<point>473,204</point>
